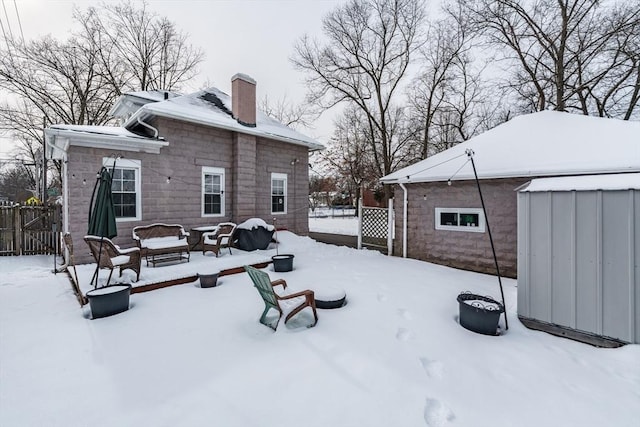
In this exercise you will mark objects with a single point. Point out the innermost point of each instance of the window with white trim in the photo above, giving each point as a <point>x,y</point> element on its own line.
<point>126,188</point>
<point>212,191</point>
<point>278,193</point>
<point>460,219</point>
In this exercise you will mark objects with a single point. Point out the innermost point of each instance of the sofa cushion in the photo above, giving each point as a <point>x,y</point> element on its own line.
<point>164,243</point>
<point>120,260</point>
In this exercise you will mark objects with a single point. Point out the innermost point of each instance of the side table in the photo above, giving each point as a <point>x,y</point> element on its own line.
<point>197,232</point>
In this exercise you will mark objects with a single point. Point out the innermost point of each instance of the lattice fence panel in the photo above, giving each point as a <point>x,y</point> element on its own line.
<point>375,226</point>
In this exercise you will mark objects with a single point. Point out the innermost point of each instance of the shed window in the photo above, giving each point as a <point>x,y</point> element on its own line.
<point>460,219</point>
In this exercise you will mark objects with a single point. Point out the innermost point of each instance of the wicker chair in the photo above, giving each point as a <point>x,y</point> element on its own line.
<point>109,255</point>
<point>272,300</point>
<point>70,262</point>
<point>221,238</point>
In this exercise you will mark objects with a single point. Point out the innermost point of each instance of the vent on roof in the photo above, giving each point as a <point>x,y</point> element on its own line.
<point>210,97</point>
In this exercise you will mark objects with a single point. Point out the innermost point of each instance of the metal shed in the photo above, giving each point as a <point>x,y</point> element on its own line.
<point>579,257</point>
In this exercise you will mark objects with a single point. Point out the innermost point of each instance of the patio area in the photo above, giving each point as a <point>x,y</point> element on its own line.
<point>177,272</point>
<point>395,354</point>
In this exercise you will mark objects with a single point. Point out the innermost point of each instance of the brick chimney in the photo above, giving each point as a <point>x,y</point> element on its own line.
<point>243,99</point>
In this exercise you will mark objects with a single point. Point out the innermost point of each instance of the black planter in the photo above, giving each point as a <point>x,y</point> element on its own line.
<point>109,300</point>
<point>479,313</point>
<point>282,263</point>
<point>208,280</point>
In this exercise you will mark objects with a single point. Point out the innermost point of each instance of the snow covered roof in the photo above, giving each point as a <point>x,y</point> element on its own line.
<point>99,130</point>
<point>128,103</point>
<point>152,95</point>
<point>212,107</point>
<point>546,143</point>
<point>620,181</point>
<point>59,137</point>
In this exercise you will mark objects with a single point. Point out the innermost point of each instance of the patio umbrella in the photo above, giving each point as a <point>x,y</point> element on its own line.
<point>102,215</point>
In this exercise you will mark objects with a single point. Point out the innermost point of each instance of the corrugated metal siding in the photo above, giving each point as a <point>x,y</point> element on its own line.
<point>578,260</point>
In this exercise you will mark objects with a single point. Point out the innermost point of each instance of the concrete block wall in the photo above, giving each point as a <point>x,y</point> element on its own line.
<point>244,177</point>
<point>459,249</point>
<point>248,162</point>
<point>277,157</point>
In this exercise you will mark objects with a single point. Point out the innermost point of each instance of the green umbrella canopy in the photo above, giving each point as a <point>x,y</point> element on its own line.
<point>102,214</point>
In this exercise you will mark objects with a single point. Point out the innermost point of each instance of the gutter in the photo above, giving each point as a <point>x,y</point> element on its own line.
<point>148,126</point>
<point>405,203</point>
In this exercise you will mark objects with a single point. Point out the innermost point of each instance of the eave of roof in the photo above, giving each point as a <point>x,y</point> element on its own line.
<point>60,137</point>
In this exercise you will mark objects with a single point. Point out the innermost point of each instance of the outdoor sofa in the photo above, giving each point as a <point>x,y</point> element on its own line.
<point>162,242</point>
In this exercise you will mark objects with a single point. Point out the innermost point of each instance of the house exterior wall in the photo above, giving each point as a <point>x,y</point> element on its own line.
<point>247,161</point>
<point>244,180</point>
<point>461,249</point>
<point>277,157</point>
<point>579,261</point>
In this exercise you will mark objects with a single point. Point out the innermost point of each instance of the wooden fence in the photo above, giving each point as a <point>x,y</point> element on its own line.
<point>29,230</point>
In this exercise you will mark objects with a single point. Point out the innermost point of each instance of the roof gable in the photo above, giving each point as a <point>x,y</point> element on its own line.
<point>546,143</point>
<point>128,103</point>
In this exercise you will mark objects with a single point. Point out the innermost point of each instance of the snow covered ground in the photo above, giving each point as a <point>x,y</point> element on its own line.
<point>393,356</point>
<point>347,226</point>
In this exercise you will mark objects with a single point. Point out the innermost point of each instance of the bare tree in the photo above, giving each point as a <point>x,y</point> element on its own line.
<point>16,183</point>
<point>349,153</point>
<point>566,53</point>
<point>320,189</point>
<point>293,115</point>
<point>448,99</point>
<point>47,82</point>
<point>365,59</point>
<point>76,81</point>
<point>607,76</point>
<point>148,51</point>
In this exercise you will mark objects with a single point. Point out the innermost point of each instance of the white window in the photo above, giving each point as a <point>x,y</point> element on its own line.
<point>460,219</point>
<point>212,191</point>
<point>278,193</point>
<point>126,188</point>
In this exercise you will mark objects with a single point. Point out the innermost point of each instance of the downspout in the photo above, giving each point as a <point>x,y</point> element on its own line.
<point>148,126</point>
<point>405,203</point>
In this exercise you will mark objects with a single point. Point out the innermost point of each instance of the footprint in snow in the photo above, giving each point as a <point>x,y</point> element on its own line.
<point>405,314</point>
<point>405,335</point>
<point>382,297</point>
<point>433,368</point>
<point>436,413</point>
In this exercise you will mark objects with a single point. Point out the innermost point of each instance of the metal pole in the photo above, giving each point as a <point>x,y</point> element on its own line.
<point>493,249</point>
<point>43,196</point>
<point>360,222</point>
<point>390,228</point>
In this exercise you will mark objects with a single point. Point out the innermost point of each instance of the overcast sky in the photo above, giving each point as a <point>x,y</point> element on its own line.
<point>253,37</point>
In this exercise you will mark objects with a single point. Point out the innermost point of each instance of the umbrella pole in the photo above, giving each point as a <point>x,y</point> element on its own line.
<point>95,228</point>
<point>275,227</point>
<point>493,249</point>
<point>93,194</point>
